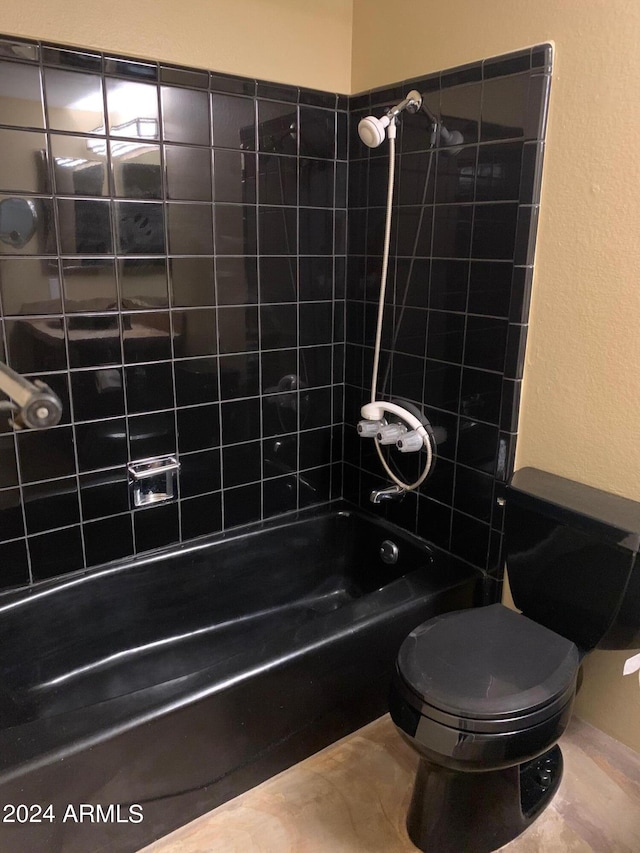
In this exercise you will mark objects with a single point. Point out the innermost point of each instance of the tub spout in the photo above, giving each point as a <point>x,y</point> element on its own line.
<point>392,493</point>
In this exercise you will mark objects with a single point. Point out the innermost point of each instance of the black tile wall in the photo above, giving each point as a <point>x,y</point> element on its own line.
<point>182,290</point>
<point>186,290</point>
<point>461,266</point>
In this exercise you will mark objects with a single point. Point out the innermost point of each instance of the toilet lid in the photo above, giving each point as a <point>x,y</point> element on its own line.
<point>487,663</point>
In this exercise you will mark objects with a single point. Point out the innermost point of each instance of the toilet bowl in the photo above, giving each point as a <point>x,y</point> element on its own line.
<point>483,695</point>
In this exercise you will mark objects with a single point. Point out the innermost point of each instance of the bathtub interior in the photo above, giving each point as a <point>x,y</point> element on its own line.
<point>216,607</point>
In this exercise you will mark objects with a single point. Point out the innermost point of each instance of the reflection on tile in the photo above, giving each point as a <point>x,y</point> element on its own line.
<point>278,280</point>
<point>151,435</point>
<point>198,427</point>
<point>46,454</point>
<point>85,227</point>
<point>156,526</point>
<point>97,393</point>
<point>195,333</point>
<point>136,171</point>
<point>238,328</point>
<point>104,493</point>
<point>11,521</point>
<point>241,463</point>
<point>89,284</point>
<point>237,281</point>
<point>278,180</point>
<point>460,110</point>
<point>239,376</point>
<point>80,165</point>
<point>277,127</point>
<point>192,281</point>
<point>279,326</point>
<point>278,231</point>
<point>143,283</point>
<point>93,340</point>
<point>24,166</point>
<point>201,515</point>
<point>149,387</point>
<point>133,109</point>
<point>146,336</point>
<point>15,565</point>
<point>21,97</point>
<point>504,107</point>
<point>101,444</point>
<point>196,381</point>
<point>233,122</point>
<point>242,505</point>
<point>36,344</point>
<point>317,132</point>
<point>235,230</point>
<point>199,472</point>
<point>108,539</point>
<point>185,115</point>
<point>50,505</point>
<point>32,229</point>
<point>234,176</point>
<point>190,229</point>
<point>54,553</point>
<point>42,296</point>
<point>8,462</point>
<point>188,173</point>
<point>74,101</point>
<point>140,228</point>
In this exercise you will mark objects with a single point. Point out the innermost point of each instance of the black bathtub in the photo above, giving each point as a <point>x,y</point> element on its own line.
<point>164,687</point>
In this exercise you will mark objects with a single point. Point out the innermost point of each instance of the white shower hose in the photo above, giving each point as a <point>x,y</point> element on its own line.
<point>376,352</point>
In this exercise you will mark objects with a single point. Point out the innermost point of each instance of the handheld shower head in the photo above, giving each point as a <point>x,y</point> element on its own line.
<point>371,129</point>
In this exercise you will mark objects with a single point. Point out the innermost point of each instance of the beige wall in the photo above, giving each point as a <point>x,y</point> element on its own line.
<point>580,414</point>
<point>287,41</point>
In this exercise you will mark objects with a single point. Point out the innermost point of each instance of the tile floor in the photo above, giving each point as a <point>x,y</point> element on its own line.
<point>352,798</point>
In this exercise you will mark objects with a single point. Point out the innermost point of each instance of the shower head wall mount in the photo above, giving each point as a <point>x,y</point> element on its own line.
<point>372,130</point>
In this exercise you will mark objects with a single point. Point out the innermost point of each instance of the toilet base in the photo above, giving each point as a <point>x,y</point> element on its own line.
<point>455,812</point>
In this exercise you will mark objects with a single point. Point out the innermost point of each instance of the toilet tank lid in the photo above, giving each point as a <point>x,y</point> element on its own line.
<point>488,663</point>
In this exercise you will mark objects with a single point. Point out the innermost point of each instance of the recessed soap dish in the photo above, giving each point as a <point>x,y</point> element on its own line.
<point>153,481</point>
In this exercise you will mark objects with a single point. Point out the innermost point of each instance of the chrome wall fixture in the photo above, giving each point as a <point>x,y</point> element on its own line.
<point>33,404</point>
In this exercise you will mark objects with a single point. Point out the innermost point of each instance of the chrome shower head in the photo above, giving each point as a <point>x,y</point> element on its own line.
<point>371,129</point>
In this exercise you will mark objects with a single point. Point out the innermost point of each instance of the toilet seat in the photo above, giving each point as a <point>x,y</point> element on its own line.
<point>487,670</point>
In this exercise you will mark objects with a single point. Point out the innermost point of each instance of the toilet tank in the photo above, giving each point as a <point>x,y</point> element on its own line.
<point>572,559</point>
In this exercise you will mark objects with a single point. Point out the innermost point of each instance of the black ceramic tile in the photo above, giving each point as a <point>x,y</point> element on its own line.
<point>231,84</point>
<point>240,421</point>
<point>234,175</point>
<point>317,132</point>
<point>8,462</point>
<point>89,285</point>
<point>279,414</point>
<point>499,171</point>
<point>137,172</point>
<point>143,283</point>
<point>108,539</point>
<point>46,454</point>
<point>146,336</point>
<point>315,448</point>
<point>506,456</point>
<point>238,328</point>
<point>24,165</point>
<point>485,343</point>
<point>21,101</point>
<point>194,333</point>
<point>101,444</point>
<point>315,365</point>
<point>315,323</point>
<point>185,116</point>
<point>124,67</point>
<point>459,76</point>
<point>511,391</point>
<point>36,234</point>
<point>278,231</point>
<point>199,472</point>
<point>445,335</point>
<point>42,276</point>
<point>50,505</point>
<point>516,345</point>
<point>526,232</point>
<point>198,427</point>
<point>316,232</point>
<point>473,493</point>
<point>452,231</point>
<point>241,463</point>
<point>520,294</point>
<point>531,176</point>
<point>237,281</point>
<point>504,107</point>
<point>316,278</point>
<point>14,563</point>
<point>80,165</point>
<point>477,445</point>
<point>280,455</point>
<point>56,553</point>
<point>132,109</point>
<point>439,484</point>
<point>233,122</point>
<point>494,231</point>
<point>278,326</point>
<point>480,395</point>
<point>278,366</point>
<point>196,381</point>
<point>279,494</point>
<point>235,229</point>
<point>242,505</point>
<point>104,493</point>
<point>74,101</point>
<point>510,64</point>
<point>188,173</point>
<point>11,521</point>
<point>139,227</point>
<point>412,231</point>
<point>201,515</point>
<point>278,180</point>
<point>536,118</point>
<point>315,408</point>
<point>470,539</point>
<point>184,77</point>
<point>490,288</point>
<point>441,384</point>
<point>149,387</point>
<point>189,229</point>
<point>151,435</point>
<point>85,227</point>
<point>93,340</point>
<point>460,110</point>
<point>192,281</point>
<point>54,55</point>
<point>278,127</point>
<point>156,526</point>
<point>97,393</point>
<point>434,522</point>
<point>448,284</point>
<point>541,56</point>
